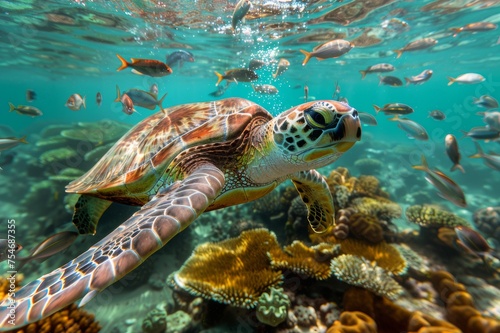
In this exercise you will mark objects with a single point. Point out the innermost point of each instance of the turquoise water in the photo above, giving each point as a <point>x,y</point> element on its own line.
<point>58,48</point>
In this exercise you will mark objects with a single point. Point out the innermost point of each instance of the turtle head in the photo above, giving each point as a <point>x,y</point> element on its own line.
<point>317,133</point>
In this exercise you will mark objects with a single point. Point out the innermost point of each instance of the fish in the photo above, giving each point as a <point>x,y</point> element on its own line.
<point>486,101</point>
<point>491,160</point>
<point>150,67</point>
<point>482,133</point>
<point>390,81</point>
<point>394,24</point>
<point>127,103</point>
<point>474,27</point>
<point>413,129</point>
<point>75,102</point>
<point>437,115</point>
<point>468,78</point>
<point>154,89</point>
<point>283,65</point>
<point>30,95</point>
<point>451,147</point>
<point>367,119</point>
<point>378,68</point>
<point>241,9</point>
<point>492,119</point>
<point>220,91</point>
<point>267,89</point>
<point>11,142</point>
<point>49,247</point>
<point>394,108</point>
<point>419,44</point>
<point>26,110</point>
<point>237,74</point>
<point>255,64</point>
<point>178,57</point>
<point>306,92</point>
<point>336,93</point>
<point>472,241</point>
<point>332,49</point>
<point>98,99</point>
<point>8,249</point>
<point>420,78</point>
<point>141,98</point>
<point>447,188</point>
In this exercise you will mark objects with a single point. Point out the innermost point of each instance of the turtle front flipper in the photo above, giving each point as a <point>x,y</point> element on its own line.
<point>88,211</point>
<point>117,254</point>
<point>314,192</point>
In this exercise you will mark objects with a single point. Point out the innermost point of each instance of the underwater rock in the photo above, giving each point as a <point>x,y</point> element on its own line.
<point>273,307</point>
<point>179,322</point>
<point>97,132</point>
<point>243,225</point>
<point>155,321</point>
<point>358,271</point>
<point>95,154</point>
<point>487,220</point>
<point>297,221</point>
<point>57,155</point>
<point>67,175</point>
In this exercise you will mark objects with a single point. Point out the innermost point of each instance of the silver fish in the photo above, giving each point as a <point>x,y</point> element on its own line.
<point>26,110</point>
<point>7,249</point>
<point>475,27</point>
<point>482,133</point>
<point>49,247</point>
<point>378,68</point>
<point>467,78</point>
<point>267,89</point>
<point>332,49</point>
<point>141,98</point>
<point>98,99</point>
<point>452,151</point>
<point>490,160</point>
<point>394,108</point>
<point>283,65</point>
<point>436,114</point>
<point>412,129</point>
<point>154,89</point>
<point>420,78</point>
<point>486,101</point>
<point>8,143</point>
<point>75,102</point>
<point>447,188</point>
<point>419,44</point>
<point>241,9</point>
<point>492,119</point>
<point>367,119</point>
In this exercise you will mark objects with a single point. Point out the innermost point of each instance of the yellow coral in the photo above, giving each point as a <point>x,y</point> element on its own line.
<point>433,217</point>
<point>5,284</point>
<point>379,207</point>
<point>235,271</point>
<point>299,258</point>
<point>385,255</point>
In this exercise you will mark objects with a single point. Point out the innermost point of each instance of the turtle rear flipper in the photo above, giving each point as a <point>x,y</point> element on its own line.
<point>88,211</point>
<point>117,254</point>
<point>314,192</point>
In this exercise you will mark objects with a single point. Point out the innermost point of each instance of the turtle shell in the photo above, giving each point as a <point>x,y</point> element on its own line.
<point>139,159</point>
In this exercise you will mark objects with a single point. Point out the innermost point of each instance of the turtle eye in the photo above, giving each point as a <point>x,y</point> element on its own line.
<point>320,116</point>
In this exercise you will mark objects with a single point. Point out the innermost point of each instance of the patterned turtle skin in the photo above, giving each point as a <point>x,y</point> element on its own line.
<point>177,164</point>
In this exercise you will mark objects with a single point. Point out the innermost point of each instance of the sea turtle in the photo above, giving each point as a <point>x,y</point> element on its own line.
<point>179,163</point>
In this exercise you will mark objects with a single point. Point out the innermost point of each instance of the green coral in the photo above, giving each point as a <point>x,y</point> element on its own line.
<point>273,307</point>
<point>358,271</point>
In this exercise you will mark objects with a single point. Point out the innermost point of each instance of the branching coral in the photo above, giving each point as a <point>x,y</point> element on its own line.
<point>235,271</point>
<point>299,258</point>
<point>358,271</point>
<point>385,255</point>
<point>273,307</point>
<point>433,217</point>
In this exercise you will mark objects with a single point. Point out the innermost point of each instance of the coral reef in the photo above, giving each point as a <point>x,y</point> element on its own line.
<point>433,217</point>
<point>155,321</point>
<point>311,261</point>
<point>235,271</point>
<point>487,220</point>
<point>353,322</point>
<point>384,255</point>
<point>273,307</point>
<point>366,227</point>
<point>460,308</point>
<point>369,166</point>
<point>358,271</point>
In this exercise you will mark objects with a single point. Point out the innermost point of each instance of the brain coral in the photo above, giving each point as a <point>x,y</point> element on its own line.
<point>273,307</point>
<point>235,271</point>
<point>358,271</point>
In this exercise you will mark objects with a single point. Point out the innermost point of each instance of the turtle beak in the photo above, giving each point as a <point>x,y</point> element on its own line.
<point>347,131</point>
